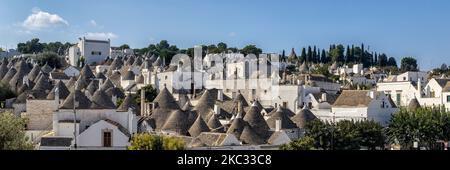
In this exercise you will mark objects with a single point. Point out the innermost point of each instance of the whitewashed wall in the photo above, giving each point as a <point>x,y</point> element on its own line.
<point>92,137</point>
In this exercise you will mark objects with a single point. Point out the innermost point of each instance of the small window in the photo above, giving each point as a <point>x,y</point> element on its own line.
<point>448,99</point>
<point>404,78</point>
<point>107,139</point>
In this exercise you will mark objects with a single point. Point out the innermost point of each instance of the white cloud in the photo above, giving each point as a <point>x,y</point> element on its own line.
<point>101,35</point>
<point>232,34</point>
<point>93,23</point>
<point>41,19</point>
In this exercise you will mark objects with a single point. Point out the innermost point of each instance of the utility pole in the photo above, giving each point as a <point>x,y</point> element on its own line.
<point>332,131</point>
<point>75,115</point>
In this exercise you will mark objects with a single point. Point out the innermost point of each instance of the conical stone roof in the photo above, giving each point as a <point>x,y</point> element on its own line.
<point>236,127</point>
<point>198,127</point>
<point>81,99</point>
<point>286,122</point>
<point>101,101</point>
<point>165,100</point>
<point>303,117</point>
<point>249,136</point>
<point>215,125</point>
<point>257,121</point>
<point>62,90</point>
<point>127,103</point>
<point>414,104</point>
<point>86,72</point>
<point>177,122</point>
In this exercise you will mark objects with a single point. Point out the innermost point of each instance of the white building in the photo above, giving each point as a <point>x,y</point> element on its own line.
<point>400,92</point>
<point>363,105</point>
<point>412,76</point>
<point>72,71</point>
<point>98,124</point>
<point>93,51</point>
<point>434,93</point>
<point>117,52</point>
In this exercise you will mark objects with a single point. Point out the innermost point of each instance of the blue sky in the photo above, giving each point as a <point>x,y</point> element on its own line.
<point>399,28</point>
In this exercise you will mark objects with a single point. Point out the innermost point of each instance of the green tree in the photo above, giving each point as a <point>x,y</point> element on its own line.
<point>124,46</point>
<point>147,141</point>
<point>50,58</point>
<point>392,62</point>
<point>409,64</point>
<point>348,55</point>
<point>251,49</point>
<point>163,49</point>
<point>382,60</point>
<point>150,94</point>
<point>222,47</point>
<point>309,55</point>
<point>305,143</point>
<point>322,70</point>
<point>321,132</point>
<point>337,54</point>
<point>371,134</point>
<point>12,133</point>
<point>5,93</point>
<point>424,125</point>
<point>346,135</point>
<point>324,57</point>
<point>32,46</point>
<point>303,55</point>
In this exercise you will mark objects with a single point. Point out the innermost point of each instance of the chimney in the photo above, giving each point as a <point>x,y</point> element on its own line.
<point>324,97</point>
<point>419,87</point>
<point>114,99</point>
<point>216,109</point>
<point>239,109</point>
<point>278,125</point>
<point>372,94</point>
<point>56,98</point>
<point>55,124</point>
<point>220,95</point>
<point>100,82</point>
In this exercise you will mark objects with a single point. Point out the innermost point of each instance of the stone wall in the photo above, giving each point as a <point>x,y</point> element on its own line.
<point>39,114</point>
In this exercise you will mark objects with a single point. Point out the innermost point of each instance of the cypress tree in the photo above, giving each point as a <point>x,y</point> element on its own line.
<point>348,56</point>
<point>318,56</point>
<point>353,52</point>
<point>303,55</point>
<point>315,55</point>
<point>324,57</point>
<point>309,54</point>
<point>376,59</point>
